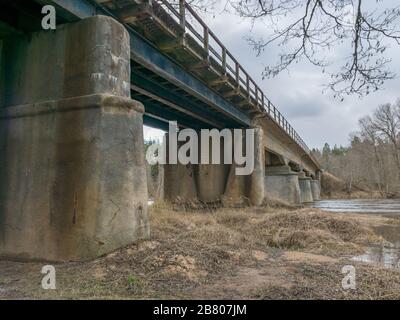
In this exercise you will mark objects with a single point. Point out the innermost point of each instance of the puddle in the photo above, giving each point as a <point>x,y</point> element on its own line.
<point>382,256</point>
<point>387,256</point>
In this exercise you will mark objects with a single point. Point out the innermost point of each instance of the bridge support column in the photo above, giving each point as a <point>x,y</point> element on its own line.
<point>72,176</point>
<point>211,181</point>
<point>283,184</point>
<point>237,189</point>
<point>217,182</point>
<point>305,188</point>
<point>257,193</point>
<point>179,179</point>
<point>315,189</point>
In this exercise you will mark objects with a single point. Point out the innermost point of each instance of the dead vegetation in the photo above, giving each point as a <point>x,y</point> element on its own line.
<point>315,232</point>
<point>191,250</point>
<point>333,187</point>
<point>323,281</point>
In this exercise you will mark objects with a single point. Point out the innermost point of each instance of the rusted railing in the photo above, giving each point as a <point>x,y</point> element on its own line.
<point>187,18</point>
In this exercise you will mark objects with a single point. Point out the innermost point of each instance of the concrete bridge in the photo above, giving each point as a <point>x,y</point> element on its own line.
<point>73,102</point>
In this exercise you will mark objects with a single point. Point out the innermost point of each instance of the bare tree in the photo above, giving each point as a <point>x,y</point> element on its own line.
<point>306,29</point>
<point>201,6</point>
<point>386,122</point>
<point>368,132</point>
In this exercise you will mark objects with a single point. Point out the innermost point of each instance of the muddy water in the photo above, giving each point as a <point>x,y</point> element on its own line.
<point>388,255</point>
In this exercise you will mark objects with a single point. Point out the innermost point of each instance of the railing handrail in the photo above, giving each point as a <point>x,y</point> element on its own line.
<point>237,71</point>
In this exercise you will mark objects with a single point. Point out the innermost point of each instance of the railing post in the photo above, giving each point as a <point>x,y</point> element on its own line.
<point>256,89</point>
<point>262,99</point>
<point>182,13</point>
<point>224,59</point>
<point>237,74</point>
<point>206,41</point>
<point>248,85</point>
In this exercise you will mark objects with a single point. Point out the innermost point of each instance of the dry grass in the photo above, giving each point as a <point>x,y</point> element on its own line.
<point>323,281</point>
<point>314,231</point>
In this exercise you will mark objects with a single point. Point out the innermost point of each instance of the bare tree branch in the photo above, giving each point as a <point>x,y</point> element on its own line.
<point>309,29</point>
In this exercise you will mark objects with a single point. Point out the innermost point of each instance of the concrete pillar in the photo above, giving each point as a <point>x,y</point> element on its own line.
<point>211,181</point>
<point>179,179</point>
<point>160,191</point>
<point>179,183</point>
<point>215,182</point>
<point>283,184</point>
<point>211,178</point>
<point>72,176</point>
<point>237,189</point>
<point>305,188</point>
<point>315,189</point>
<point>257,193</point>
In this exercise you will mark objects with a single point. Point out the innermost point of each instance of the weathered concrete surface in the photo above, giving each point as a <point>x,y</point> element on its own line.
<point>155,181</point>
<point>83,58</point>
<point>73,178</point>
<point>73,183</point>
<point>237,189</point>
<point>217,182</point>
<point>195,182</point>
<point>257,193</point>
<point>211,181</point>
<point>179,183</point>
<point>179,179</point>
<point>305,188</point>
<point>211,178</point>
<point>315,189</point>
<point>283,184</point>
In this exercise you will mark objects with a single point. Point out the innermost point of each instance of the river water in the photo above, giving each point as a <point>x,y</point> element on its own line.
<point>388,255</point>
<point>380,206</point>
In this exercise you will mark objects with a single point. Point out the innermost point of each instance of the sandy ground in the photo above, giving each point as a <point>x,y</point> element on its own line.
<point>247,253</point>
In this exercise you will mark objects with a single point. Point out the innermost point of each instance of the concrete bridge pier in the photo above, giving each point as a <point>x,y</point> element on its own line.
<point>217,182</point>
<point>315,189</point>
<point>72,176</point>
<point>305,188</point>
<point>283,184</point>
<point>192,182</point>
<point>179,182</point>
<point>257,192</point>
<point>179,179</point>
<point>211,179</point>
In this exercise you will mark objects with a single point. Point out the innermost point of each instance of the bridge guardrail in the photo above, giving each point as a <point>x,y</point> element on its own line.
<point>186,16</point>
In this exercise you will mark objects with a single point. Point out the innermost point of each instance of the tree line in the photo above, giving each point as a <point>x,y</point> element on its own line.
<point>372,160</point>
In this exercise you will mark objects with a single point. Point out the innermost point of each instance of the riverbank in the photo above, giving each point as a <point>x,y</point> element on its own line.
<point>249,253</point>
<point>333,187</point>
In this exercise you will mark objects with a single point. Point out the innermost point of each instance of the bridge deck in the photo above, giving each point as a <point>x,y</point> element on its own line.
<point>174,52</point>
<point>179,32</point>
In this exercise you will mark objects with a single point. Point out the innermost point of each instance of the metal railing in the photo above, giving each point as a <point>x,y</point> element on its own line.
<point>187,18</point>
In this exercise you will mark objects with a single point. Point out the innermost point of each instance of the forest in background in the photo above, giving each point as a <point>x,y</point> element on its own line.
<point>372,159</point>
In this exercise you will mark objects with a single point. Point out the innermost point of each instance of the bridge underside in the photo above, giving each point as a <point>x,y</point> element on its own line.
<point>73,176</point>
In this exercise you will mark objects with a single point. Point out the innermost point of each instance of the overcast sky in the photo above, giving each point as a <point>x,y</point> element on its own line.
<point>316,116</point>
